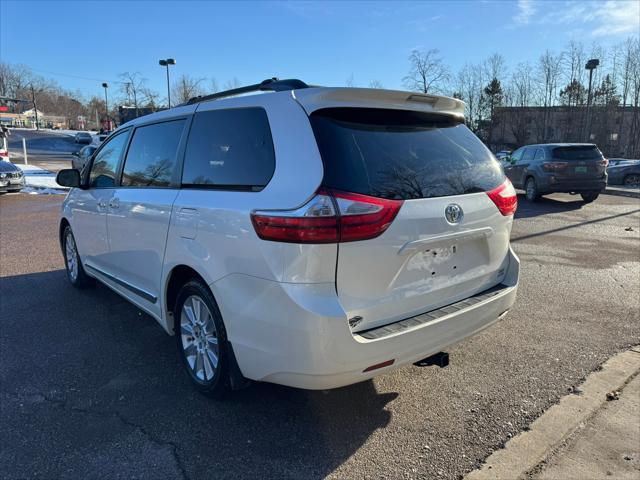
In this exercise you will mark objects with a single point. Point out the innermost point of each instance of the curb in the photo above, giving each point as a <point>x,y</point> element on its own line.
<point>525,451</point>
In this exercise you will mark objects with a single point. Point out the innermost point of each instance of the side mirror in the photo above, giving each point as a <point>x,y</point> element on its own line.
<point>68,177</point>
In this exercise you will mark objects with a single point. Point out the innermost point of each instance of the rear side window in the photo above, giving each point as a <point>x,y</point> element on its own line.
<point>402,154</point>
<point>152,155</point>
<point>539,154</point>
<point>229,149</point>
<point>528,155</point>
<point>577,152</point>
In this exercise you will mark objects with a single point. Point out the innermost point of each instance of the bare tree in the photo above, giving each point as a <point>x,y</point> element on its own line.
<point>469,89</point>
<point>428,73</point>
<point>186,87</point>
<point>133,86</point>
<point>549,70</point>
<point>375,84</point>
<point>231,84</point>
<point>350,82</point>
<point>213,85</point>
<point>496,67</point>
<point>574,61</point>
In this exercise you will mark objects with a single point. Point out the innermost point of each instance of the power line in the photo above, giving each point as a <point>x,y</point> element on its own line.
<point>74,76</point>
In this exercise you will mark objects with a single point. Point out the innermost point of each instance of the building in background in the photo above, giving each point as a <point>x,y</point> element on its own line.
<point>27,119</point>
<point>615,129</point>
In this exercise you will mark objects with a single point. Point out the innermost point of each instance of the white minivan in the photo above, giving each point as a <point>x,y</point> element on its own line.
<point>306,236</point>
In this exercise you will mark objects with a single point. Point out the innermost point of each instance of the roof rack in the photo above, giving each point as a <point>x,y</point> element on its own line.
<point>268,85</point>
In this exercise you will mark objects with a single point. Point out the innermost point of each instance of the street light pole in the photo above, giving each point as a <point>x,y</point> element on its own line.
<point>106,101</point>
<point>591,66</point>
<point>166,63</point>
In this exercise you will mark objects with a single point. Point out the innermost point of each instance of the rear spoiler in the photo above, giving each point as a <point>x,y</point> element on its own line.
<point>313,99</point>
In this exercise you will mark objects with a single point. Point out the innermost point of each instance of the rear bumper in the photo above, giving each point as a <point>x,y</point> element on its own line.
<point>298,334</point>
<point>554,184</point>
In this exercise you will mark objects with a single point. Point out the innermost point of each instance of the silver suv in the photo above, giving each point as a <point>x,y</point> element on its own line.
<point>311,237</point>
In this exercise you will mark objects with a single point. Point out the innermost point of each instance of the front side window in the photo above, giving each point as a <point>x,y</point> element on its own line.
<point>230,149</point>
<point>152,155</point>
<point>105,163</point>
<point>402,154</point>
<point>517,154</point>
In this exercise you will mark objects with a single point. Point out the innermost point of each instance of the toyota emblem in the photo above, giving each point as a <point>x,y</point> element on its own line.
<point>453,213</point>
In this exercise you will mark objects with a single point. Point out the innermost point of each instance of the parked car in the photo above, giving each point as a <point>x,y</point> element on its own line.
<point>311,237</point>
<point>83,137</point>
<point>11,178</point>
<point>80,157</point>
<point>576,168</point>
<point>623,172</point>
<point>502,154</point>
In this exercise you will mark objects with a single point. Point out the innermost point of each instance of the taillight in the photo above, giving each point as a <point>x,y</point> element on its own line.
<point>604,162</point>
<point>329,217</point>
<point>4,153</point>
<point>554,166</point>
<point>363,217</point>
<point>314,222</point>
<point>505,198</point>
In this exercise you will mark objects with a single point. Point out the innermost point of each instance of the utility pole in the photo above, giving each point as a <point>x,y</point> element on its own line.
<point>131,89</point>
<point>35,106</point>
<point>591,66</point>
<point>135,101</point>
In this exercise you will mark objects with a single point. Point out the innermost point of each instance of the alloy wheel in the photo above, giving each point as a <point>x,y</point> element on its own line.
<point>72,256</point>
<point>530,189</point>
<point>199,338</point>
<point>632,180</point>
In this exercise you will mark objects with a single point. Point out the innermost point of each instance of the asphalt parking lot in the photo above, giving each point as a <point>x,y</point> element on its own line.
<point>91,387</point>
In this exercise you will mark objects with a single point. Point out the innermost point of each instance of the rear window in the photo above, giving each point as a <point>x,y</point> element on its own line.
<point>230,149</point>
<point>402,154</point>
<point>578,152</point>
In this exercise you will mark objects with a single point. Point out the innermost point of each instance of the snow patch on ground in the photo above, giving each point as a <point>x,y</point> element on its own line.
<point>40,181</point>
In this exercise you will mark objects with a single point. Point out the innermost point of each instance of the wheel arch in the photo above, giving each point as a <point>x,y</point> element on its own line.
<point>64,223</point>
<point>177,277</point>
<point>631,174</point>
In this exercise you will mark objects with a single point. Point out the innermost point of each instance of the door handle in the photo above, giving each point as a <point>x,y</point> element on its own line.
<point>114,203</point>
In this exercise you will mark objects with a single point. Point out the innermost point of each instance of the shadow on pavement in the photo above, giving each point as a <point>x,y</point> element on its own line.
<point>89,380</point>
<point>546,205</point>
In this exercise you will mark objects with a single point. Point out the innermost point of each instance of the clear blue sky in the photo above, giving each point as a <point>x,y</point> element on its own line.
<point>319,42</point>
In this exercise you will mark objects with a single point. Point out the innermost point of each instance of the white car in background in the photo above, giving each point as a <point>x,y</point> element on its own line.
<point>311,237</point>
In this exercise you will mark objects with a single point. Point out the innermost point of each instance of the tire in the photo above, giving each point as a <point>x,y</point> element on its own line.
<point>531,190</point>
<point>631,179</point>
<point>589,197</point>
<point>73,266</point>
<point>202,340</point>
